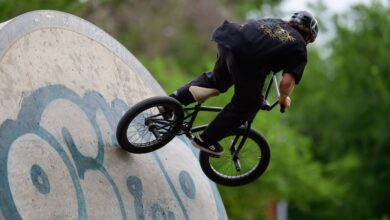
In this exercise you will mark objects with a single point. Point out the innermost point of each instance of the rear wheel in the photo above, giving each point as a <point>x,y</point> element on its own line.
<point>150,124</point>
<point>251,163</point>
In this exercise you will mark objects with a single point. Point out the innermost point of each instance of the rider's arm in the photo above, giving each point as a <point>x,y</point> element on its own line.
<point>286,87</point>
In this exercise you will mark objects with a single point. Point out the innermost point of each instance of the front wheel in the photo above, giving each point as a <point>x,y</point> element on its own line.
<point>250,164</point>
<point>150,124</point>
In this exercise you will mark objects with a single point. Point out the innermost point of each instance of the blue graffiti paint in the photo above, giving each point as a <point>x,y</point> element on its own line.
<point>134,185</point>
<point>40,179</point>
<point>158,212</point>
<point>171,216</point>
<point>171,185</point>
<point>187,184</point>
<point>118,106</point>
<point>28,122</point>
<point>218,200</point>
<point>9,131</point>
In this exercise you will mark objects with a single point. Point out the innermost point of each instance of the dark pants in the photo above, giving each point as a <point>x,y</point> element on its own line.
<point>247,98</point>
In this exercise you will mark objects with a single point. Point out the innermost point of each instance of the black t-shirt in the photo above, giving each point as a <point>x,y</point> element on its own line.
<point>265,45</point>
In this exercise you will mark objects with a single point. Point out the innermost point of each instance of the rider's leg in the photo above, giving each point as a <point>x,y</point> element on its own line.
<point>246,101</point>
<point>208,84</point>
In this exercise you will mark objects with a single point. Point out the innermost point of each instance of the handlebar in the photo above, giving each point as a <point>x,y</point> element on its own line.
<point>268,107</point>
<point>282,109</point>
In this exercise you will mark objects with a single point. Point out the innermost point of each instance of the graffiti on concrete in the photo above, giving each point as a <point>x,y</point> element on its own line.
<point>75,162</point>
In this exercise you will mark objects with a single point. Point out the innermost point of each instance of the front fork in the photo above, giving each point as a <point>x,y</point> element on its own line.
<point>235,152</point>
<point>234,149</point>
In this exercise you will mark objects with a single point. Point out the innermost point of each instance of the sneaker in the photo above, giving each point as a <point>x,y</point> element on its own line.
<point>166,113</point>
<point>214,149</point>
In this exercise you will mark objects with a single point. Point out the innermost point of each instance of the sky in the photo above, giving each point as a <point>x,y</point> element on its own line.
<point>334,6</point>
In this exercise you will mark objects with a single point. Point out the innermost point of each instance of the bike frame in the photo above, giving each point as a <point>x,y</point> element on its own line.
<point>189,118</point>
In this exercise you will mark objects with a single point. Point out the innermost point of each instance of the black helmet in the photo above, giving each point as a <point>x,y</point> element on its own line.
<point>308,21</point>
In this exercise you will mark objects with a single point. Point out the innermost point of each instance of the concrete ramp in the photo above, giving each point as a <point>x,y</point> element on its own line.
<point>64,85</point>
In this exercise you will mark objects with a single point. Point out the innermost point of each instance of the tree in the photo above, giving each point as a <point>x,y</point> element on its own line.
<point>347,97</point>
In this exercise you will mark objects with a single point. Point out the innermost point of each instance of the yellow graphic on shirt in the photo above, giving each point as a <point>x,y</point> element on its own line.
<point>276,32</point>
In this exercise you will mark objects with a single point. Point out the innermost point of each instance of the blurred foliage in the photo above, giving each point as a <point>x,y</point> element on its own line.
<point>349,111</point>
<point>243,7</point>
<point>330,152</point>
<point>10,8</point>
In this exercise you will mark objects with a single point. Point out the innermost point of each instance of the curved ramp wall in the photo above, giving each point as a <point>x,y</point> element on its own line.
<point>64,85</point>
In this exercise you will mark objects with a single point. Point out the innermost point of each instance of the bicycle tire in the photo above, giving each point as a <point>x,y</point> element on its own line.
<point>254,138</point>
<point>135,120</point>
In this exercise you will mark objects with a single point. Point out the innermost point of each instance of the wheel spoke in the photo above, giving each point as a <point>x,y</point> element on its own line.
<point>249,158</point>
<point>139,130</point>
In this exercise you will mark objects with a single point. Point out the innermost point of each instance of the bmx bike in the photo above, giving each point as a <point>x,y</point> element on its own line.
<point>145,128</point>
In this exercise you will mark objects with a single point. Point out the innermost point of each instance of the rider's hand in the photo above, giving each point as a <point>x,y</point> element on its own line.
<point>285,101</point>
